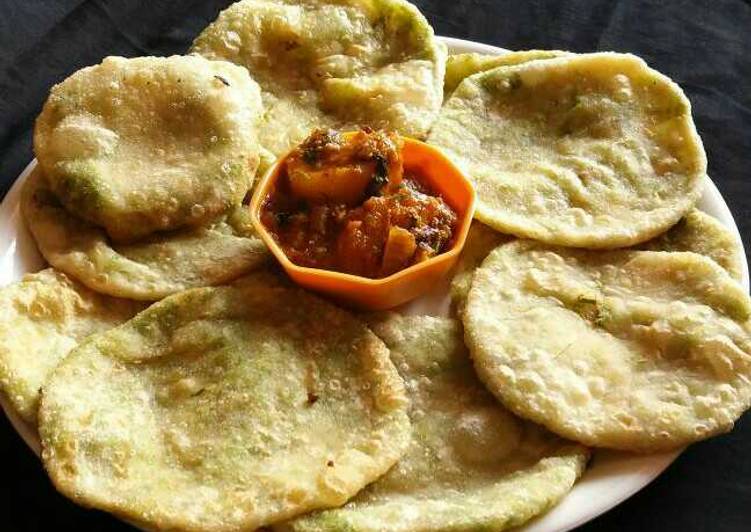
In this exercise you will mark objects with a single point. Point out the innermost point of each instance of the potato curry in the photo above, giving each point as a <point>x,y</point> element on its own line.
<point>344,202</point>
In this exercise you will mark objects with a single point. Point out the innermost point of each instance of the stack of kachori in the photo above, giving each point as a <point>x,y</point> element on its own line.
<point>645,348</point>
<point>471,464</point>
<point>180,382</point>
<point>143,165</point>
<point>590,150</point>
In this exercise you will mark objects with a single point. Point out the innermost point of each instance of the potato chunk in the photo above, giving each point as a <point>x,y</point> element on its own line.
<point>400,247</point>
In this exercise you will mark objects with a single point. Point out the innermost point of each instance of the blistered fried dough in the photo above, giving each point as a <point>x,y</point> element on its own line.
<point>332,63</point>
<point>471,464</point>
<point>641,350</point>
<point>481,240</point>
<point>148,270</point>
<point>43,317</point>
<point>697,232</point>
<point>150,144</point>
<point>701,233</point>
<point>592,150</point>
<point>460,66</point>
<point>224,408</point>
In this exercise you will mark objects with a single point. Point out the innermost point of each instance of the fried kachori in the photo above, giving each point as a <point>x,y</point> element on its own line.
<point>634,350</point>
<point>224,408</point>
<point>701,233</point>
<point>150,144</point>
<point>150,269</point>
<point>592,150</point>
<point>471,464</point>
<point>239,401</point>
<point>42,317</point>
<point>460,66</point>
<point>324,63</point>
<point>481,240</point>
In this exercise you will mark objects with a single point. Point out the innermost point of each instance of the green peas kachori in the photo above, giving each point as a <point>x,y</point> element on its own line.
<point>150,144</point>
<point>224,408</point>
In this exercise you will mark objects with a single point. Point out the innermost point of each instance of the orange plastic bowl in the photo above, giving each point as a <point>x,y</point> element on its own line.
<point>379,294</point>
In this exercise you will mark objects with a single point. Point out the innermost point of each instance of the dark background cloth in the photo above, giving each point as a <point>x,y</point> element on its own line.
<point>704,46</point>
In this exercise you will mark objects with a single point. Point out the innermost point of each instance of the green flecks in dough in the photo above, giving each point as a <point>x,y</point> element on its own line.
<point>471,465</point>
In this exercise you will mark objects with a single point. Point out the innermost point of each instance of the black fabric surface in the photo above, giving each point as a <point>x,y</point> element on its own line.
<point>704,46</point>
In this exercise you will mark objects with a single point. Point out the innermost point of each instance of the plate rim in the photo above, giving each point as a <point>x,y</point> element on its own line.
<point>561,517</point>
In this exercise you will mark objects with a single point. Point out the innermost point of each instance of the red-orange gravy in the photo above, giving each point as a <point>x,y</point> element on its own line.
<point>344,203</point>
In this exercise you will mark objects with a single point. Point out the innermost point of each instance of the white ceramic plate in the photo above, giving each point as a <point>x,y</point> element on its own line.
<point>611,477</point>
